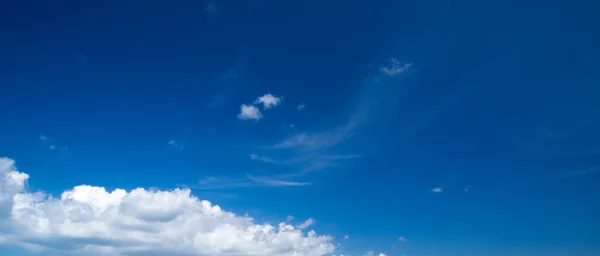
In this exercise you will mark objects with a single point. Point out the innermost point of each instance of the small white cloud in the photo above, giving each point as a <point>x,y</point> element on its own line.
<point>437,190</point>
<point>249,112</point>
<point>301,106</point>
<point>44,137</point>
<point>346,237</point>
<point>467,188</point>
<point>396,68</point>
<point>52,147</point>
<point>309,222</point>
<point>289,218</point>
<point>401,239</point>
<point>268,101</point>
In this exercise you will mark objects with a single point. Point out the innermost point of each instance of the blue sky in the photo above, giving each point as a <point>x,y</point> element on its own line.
<point>414,128</point>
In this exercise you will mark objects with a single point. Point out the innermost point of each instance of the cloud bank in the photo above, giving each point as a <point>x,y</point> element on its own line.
<point>89,220</point>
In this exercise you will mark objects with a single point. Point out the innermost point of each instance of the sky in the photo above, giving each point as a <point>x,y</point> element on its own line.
<point>236,127</point>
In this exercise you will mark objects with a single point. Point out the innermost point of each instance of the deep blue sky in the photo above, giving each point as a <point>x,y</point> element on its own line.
<point>501,97</point>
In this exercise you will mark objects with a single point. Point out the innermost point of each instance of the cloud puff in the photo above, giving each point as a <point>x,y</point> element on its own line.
<point>248,112</point>
<point>268,100</point>
<point>309,222</point>
<point>401,239</point>
<point>437,190</point>
<point>89,220</point>
<point>346,237</point>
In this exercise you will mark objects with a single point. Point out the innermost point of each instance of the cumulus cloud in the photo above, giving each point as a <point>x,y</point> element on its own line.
<point>89,220</point>
<point>371,253</point>
<point>249,112</point>
<point>309,222</point>
<point>437,190</point>
<point>268,101</point>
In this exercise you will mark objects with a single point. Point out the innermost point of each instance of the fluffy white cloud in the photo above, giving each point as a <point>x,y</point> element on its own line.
<point>437,190</point>
<point>88,220</point>
<point>268,100</point>
<point>248,112</point>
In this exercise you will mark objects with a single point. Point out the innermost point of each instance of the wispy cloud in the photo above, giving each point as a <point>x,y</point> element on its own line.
<point>402,239</point>
<point>52,144</point>
<point>249,112</point>
<point>314,150</point>
<point>248,181</point>
<point>263,159</point>
<point>346,237</point>
<point>176,145</point>
<point>396,67</point>
<point>268,101</point>
<point>301,106</point>
<point>43,137</point>
<point>437,190</point>
<point>289,218</point>
<point>309,222</point>
<point>576,173</point>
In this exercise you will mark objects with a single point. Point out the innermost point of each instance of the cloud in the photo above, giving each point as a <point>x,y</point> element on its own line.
<point>263,159</point>
<point>309,222</point>
<point>576,173</point>
<point>401,239</point>
<point>268,101</point>
<point>437,190</point>
<point>52,147</point>
<point>44,137</point>
<point>89,220</point>
<point>346,237</point>
<point>289,218</point>
<point>277,182</point>
<point>176,145</point>
<point>248,112</point>
<point>248,181</point>
<point>301,106</point>
<point>371,253</point>
<point>395,68</point>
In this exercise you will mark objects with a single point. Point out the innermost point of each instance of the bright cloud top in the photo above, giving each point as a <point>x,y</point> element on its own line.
<point>249,112</point>
<point>268,100</point>
<point>90,220</point>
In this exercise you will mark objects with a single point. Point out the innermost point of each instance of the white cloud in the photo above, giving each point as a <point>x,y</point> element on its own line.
<point>268,100</point>
<point>309,222</point>
<point>89,220</point>
<point>401,239</point>
<point>289,218</point>
<point>301,106</point>
<point>52,147</point>
<point>43,137</point>
<point>248,112</point>
<point>437,190</point>
<point>248,181</point>
<point>177,145</point>
<point>371,253</point>
<point>263,159</point>
<point>395,68</point>
<point>346,237</point>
